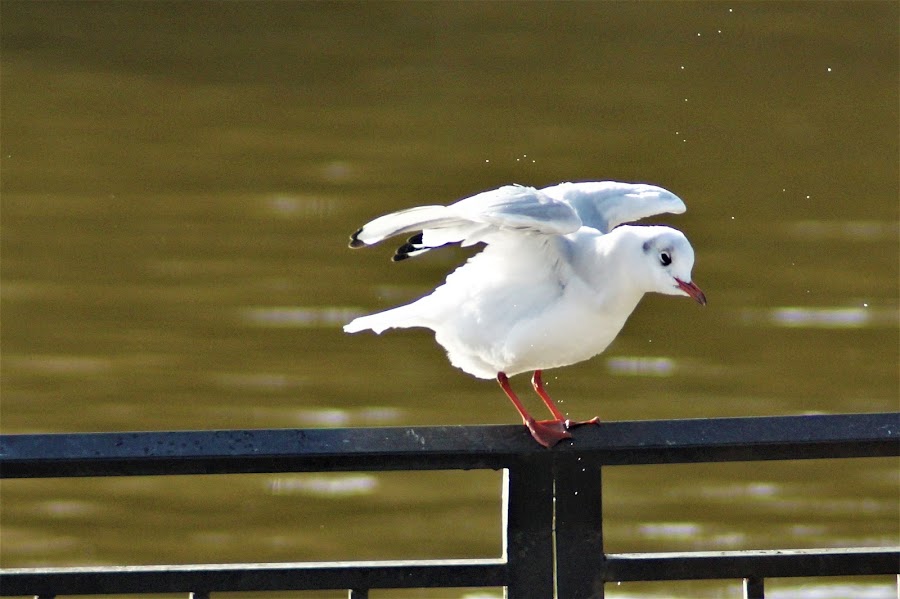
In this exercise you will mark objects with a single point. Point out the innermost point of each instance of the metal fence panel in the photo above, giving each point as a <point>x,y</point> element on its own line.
<point>553,519</point>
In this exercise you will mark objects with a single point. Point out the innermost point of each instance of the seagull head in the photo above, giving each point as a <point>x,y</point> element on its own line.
<point>668,258</point>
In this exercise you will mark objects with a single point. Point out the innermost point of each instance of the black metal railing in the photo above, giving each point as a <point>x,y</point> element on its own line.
<point>553,542</point>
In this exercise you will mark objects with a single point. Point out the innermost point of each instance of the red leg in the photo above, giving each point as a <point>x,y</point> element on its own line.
<point>546,432</point>
<point>538,385</point>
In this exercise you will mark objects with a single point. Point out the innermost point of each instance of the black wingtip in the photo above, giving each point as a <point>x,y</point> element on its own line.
<point>355,242</point>
<point>403,252</point>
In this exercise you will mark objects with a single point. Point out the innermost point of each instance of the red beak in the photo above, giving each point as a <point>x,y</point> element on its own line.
<point>693,291</point>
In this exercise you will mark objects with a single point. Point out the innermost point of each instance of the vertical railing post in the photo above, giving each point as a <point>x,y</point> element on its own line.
<point>754,588</point>
<point>528,527</point>
<point>579,528</point>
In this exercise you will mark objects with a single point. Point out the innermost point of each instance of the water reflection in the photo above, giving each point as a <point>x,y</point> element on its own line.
<point>856,317</point>
<point>298,206</point>
<point>669,530</point>
<point>851,230</point>
<point>257,381</point>
<point>295,316</point>
<point>309,416</point>
<point>641,366</point>
<point>60,365</point>
<point>324,485</point>
<point>833,318</point>
<point>68,509</point>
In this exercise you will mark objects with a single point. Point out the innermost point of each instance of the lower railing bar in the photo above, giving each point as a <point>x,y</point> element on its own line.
<point>253,577</point>
<point>754,588</point>
<point>751,564</point>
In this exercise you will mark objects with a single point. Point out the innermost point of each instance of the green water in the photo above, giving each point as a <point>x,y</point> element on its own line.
<point>179,181</point>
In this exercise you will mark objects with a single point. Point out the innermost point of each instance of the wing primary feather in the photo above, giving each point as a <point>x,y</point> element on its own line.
<point>355,241</point>
<point>403,252</point>
<point>413,247</point>
<point>403,221</point>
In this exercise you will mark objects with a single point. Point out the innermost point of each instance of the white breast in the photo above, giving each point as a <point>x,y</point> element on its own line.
<point>518,337</point>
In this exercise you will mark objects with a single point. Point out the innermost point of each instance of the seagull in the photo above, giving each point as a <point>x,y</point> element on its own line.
<point>558,277</point>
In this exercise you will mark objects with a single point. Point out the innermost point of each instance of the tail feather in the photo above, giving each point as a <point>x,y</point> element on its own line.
<point>401,317</point>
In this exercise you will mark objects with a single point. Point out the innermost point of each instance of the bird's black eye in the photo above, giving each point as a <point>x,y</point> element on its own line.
<point>665,259</point>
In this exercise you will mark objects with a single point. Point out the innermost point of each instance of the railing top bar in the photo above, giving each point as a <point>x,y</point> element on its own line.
<point>445,447</point>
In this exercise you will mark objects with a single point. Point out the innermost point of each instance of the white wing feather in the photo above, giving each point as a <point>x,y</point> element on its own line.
<point>472,220</point>
<point>604,205</point>
<point>557,210</point>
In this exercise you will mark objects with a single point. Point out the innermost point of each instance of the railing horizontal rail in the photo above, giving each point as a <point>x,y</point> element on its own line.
<point>622,567</point>
<point>444,447</point>
<point>254,577</point>
<point>698,565</point>
<point>543,489</point>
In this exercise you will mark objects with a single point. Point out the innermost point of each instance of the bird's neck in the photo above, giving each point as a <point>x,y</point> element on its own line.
<point>605,271</point>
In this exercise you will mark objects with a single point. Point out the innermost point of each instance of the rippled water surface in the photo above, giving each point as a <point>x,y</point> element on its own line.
<point>178,184</point>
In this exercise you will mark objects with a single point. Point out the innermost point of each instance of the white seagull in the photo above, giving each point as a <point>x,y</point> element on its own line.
<point>558,277</point>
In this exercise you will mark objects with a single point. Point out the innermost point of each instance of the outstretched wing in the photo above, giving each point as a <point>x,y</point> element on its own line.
<point>604,205</point>
<point>512,208</point>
